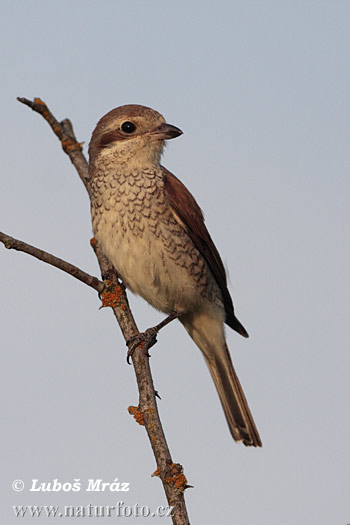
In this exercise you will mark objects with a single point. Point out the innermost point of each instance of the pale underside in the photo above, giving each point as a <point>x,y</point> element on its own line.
<point>148,245</point>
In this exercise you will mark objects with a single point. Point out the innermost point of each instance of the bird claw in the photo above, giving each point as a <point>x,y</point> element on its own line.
<point>149,338</point>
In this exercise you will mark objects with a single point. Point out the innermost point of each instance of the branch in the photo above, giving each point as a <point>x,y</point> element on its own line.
<point>65,134</point>
<point>113,295</point>
<point>15,244</point>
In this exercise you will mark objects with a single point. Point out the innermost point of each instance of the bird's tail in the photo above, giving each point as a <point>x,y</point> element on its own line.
<point>208,333</point>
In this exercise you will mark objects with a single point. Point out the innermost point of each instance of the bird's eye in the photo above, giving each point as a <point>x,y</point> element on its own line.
<point>128,127</point>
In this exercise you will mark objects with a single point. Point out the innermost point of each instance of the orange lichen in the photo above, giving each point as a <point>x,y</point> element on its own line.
<point>70,144</point>
<point>93,241</point>
<point>177,478</point>
<point>67,143</point>
<point>111,296</point>
<point>39,101</point>
<point>150,412</point>
<point>137,414</point>
<point>156,472</point>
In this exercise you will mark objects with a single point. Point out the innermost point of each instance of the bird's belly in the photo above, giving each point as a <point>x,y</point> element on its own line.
<point>154,263</point>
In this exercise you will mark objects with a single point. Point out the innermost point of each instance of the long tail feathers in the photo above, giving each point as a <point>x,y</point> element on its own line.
<point>233,400</point>
<point>208,334</point>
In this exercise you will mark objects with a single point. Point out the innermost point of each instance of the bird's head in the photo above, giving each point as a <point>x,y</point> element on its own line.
<point>132,135</point>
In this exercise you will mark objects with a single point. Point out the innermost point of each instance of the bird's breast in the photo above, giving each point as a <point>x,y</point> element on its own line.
<point>151,251</point>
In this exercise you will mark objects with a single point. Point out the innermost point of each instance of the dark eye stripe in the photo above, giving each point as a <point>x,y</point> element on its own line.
<point>110,136</point>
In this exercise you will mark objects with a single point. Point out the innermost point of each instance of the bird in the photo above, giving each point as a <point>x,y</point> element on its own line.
<point>152,231</point>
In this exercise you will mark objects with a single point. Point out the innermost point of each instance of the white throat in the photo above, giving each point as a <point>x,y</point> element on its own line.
<point>135,154</point>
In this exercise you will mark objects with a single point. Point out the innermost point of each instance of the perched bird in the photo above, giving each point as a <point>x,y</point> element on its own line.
<point>152,231</point>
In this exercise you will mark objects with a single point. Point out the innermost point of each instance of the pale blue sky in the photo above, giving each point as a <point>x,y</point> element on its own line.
<point>261,91</point>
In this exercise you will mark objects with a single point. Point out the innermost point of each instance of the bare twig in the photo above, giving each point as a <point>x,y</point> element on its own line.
<point>113,295</point>
<point>65,134</point>
<point>15,244</point>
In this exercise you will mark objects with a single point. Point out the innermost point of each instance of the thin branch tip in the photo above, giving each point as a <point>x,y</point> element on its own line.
<point>15,244</point>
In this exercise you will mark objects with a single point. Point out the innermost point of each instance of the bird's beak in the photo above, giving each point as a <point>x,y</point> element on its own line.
<point>166,131</point>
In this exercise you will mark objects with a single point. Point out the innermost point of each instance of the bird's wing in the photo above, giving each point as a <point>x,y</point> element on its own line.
<point>191,218</point>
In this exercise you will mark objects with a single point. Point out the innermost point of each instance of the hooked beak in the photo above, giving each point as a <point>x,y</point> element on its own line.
<point>166,131</point>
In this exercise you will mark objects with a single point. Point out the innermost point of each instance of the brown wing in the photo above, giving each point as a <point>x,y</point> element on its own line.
<point>190,214</point>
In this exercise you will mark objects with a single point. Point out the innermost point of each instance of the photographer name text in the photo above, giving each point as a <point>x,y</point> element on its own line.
<point>91,485</point>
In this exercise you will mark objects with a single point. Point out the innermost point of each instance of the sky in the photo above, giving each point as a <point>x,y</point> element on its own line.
<point>261,92</point>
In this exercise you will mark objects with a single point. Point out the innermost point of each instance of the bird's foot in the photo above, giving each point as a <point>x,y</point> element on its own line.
<point>148,338</point>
